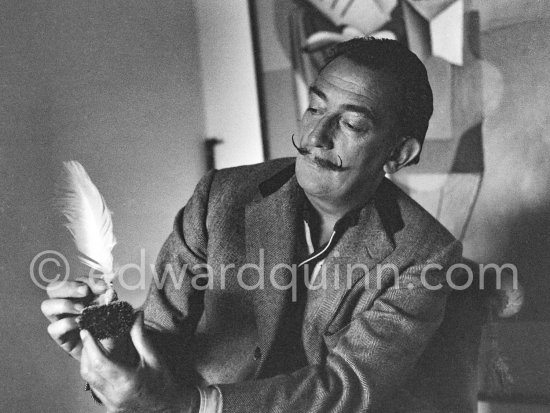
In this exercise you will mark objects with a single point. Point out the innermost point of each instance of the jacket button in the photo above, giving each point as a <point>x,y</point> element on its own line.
<point>257,353</point>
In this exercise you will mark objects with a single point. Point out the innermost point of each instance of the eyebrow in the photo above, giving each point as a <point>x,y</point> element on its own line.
<point>316,91</point>
<point>349,107</point>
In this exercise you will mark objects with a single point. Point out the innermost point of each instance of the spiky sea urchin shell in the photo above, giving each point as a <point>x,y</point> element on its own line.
<point>108,321</point>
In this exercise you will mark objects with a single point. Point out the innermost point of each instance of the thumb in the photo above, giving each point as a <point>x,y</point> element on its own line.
<point>142,343</point>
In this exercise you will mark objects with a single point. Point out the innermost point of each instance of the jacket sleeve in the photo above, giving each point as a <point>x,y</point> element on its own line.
<point>174,303</point>
<point>368,359</point>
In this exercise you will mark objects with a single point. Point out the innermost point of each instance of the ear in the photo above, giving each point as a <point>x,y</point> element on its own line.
<point>402,155</point>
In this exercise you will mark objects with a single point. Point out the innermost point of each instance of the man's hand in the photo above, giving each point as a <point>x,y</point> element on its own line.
<point>66,301</point>
<point>143,387</point>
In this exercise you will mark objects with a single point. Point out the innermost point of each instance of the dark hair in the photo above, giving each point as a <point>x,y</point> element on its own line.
<point>392,58</point>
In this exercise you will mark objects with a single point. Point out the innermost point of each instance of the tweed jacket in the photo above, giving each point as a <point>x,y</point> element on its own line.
<point>361,342</point>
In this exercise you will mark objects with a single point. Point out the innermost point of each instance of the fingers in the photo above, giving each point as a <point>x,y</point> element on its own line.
<point>95,366</point>
<point>73,347</point>
<point>87,370</point>
<point>57,308</point>
<point>67,289</point>
<point>65,333</point>
<point>142,343</point>
<point>96,285</point>
<point>62,330</point>
<point>67,300</point>
<point>94,354</point>
<point>92,362</point>
<point>69,297</point>
<point>76,289</point>
<point>109,381</point>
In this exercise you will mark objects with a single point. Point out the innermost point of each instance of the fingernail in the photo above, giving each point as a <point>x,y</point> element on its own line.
<point>82,290</point>
<point>79,307</point>
<point>84,334</point>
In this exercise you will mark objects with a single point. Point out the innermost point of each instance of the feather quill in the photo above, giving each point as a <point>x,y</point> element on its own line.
<point>88,219</point>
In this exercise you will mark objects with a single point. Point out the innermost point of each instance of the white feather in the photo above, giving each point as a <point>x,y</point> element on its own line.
<point>88,219</point>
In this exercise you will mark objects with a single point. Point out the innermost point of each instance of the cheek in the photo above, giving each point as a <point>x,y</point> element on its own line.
<point>366,156</point>
<point>305,128</point>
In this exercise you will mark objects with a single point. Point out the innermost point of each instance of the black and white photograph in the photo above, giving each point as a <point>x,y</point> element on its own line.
<point>268,206</point>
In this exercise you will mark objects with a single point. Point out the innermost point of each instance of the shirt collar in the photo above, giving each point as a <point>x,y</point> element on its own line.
<point>350,219</point>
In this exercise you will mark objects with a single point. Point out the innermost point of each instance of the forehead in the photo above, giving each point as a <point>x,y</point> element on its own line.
<point>348,80</point>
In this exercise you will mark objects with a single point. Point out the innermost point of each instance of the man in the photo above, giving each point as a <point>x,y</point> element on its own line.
<point>245,330</point>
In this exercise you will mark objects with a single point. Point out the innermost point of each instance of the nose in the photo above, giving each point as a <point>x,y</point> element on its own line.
<point>321,134</point>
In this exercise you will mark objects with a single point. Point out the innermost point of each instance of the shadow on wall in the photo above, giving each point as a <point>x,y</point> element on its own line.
<point>511,221</point>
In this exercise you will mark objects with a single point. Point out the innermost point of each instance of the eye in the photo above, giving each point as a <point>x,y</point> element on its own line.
<point>353,127</point>
<point>350,126</point>
<point>312,110</point>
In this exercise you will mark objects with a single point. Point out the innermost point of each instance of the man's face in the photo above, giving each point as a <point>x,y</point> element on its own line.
<point>351,117</point>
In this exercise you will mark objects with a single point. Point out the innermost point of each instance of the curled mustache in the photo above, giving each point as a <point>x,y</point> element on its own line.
<point>324,163</point>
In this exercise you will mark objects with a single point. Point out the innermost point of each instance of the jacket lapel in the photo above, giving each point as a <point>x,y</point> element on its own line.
<point>273,225</point>
<point>354,257</point>
<point>272,222</point>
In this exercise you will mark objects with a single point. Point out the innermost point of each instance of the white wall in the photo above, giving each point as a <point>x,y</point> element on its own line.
<point>229,79</point>
<point>114,84</point>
